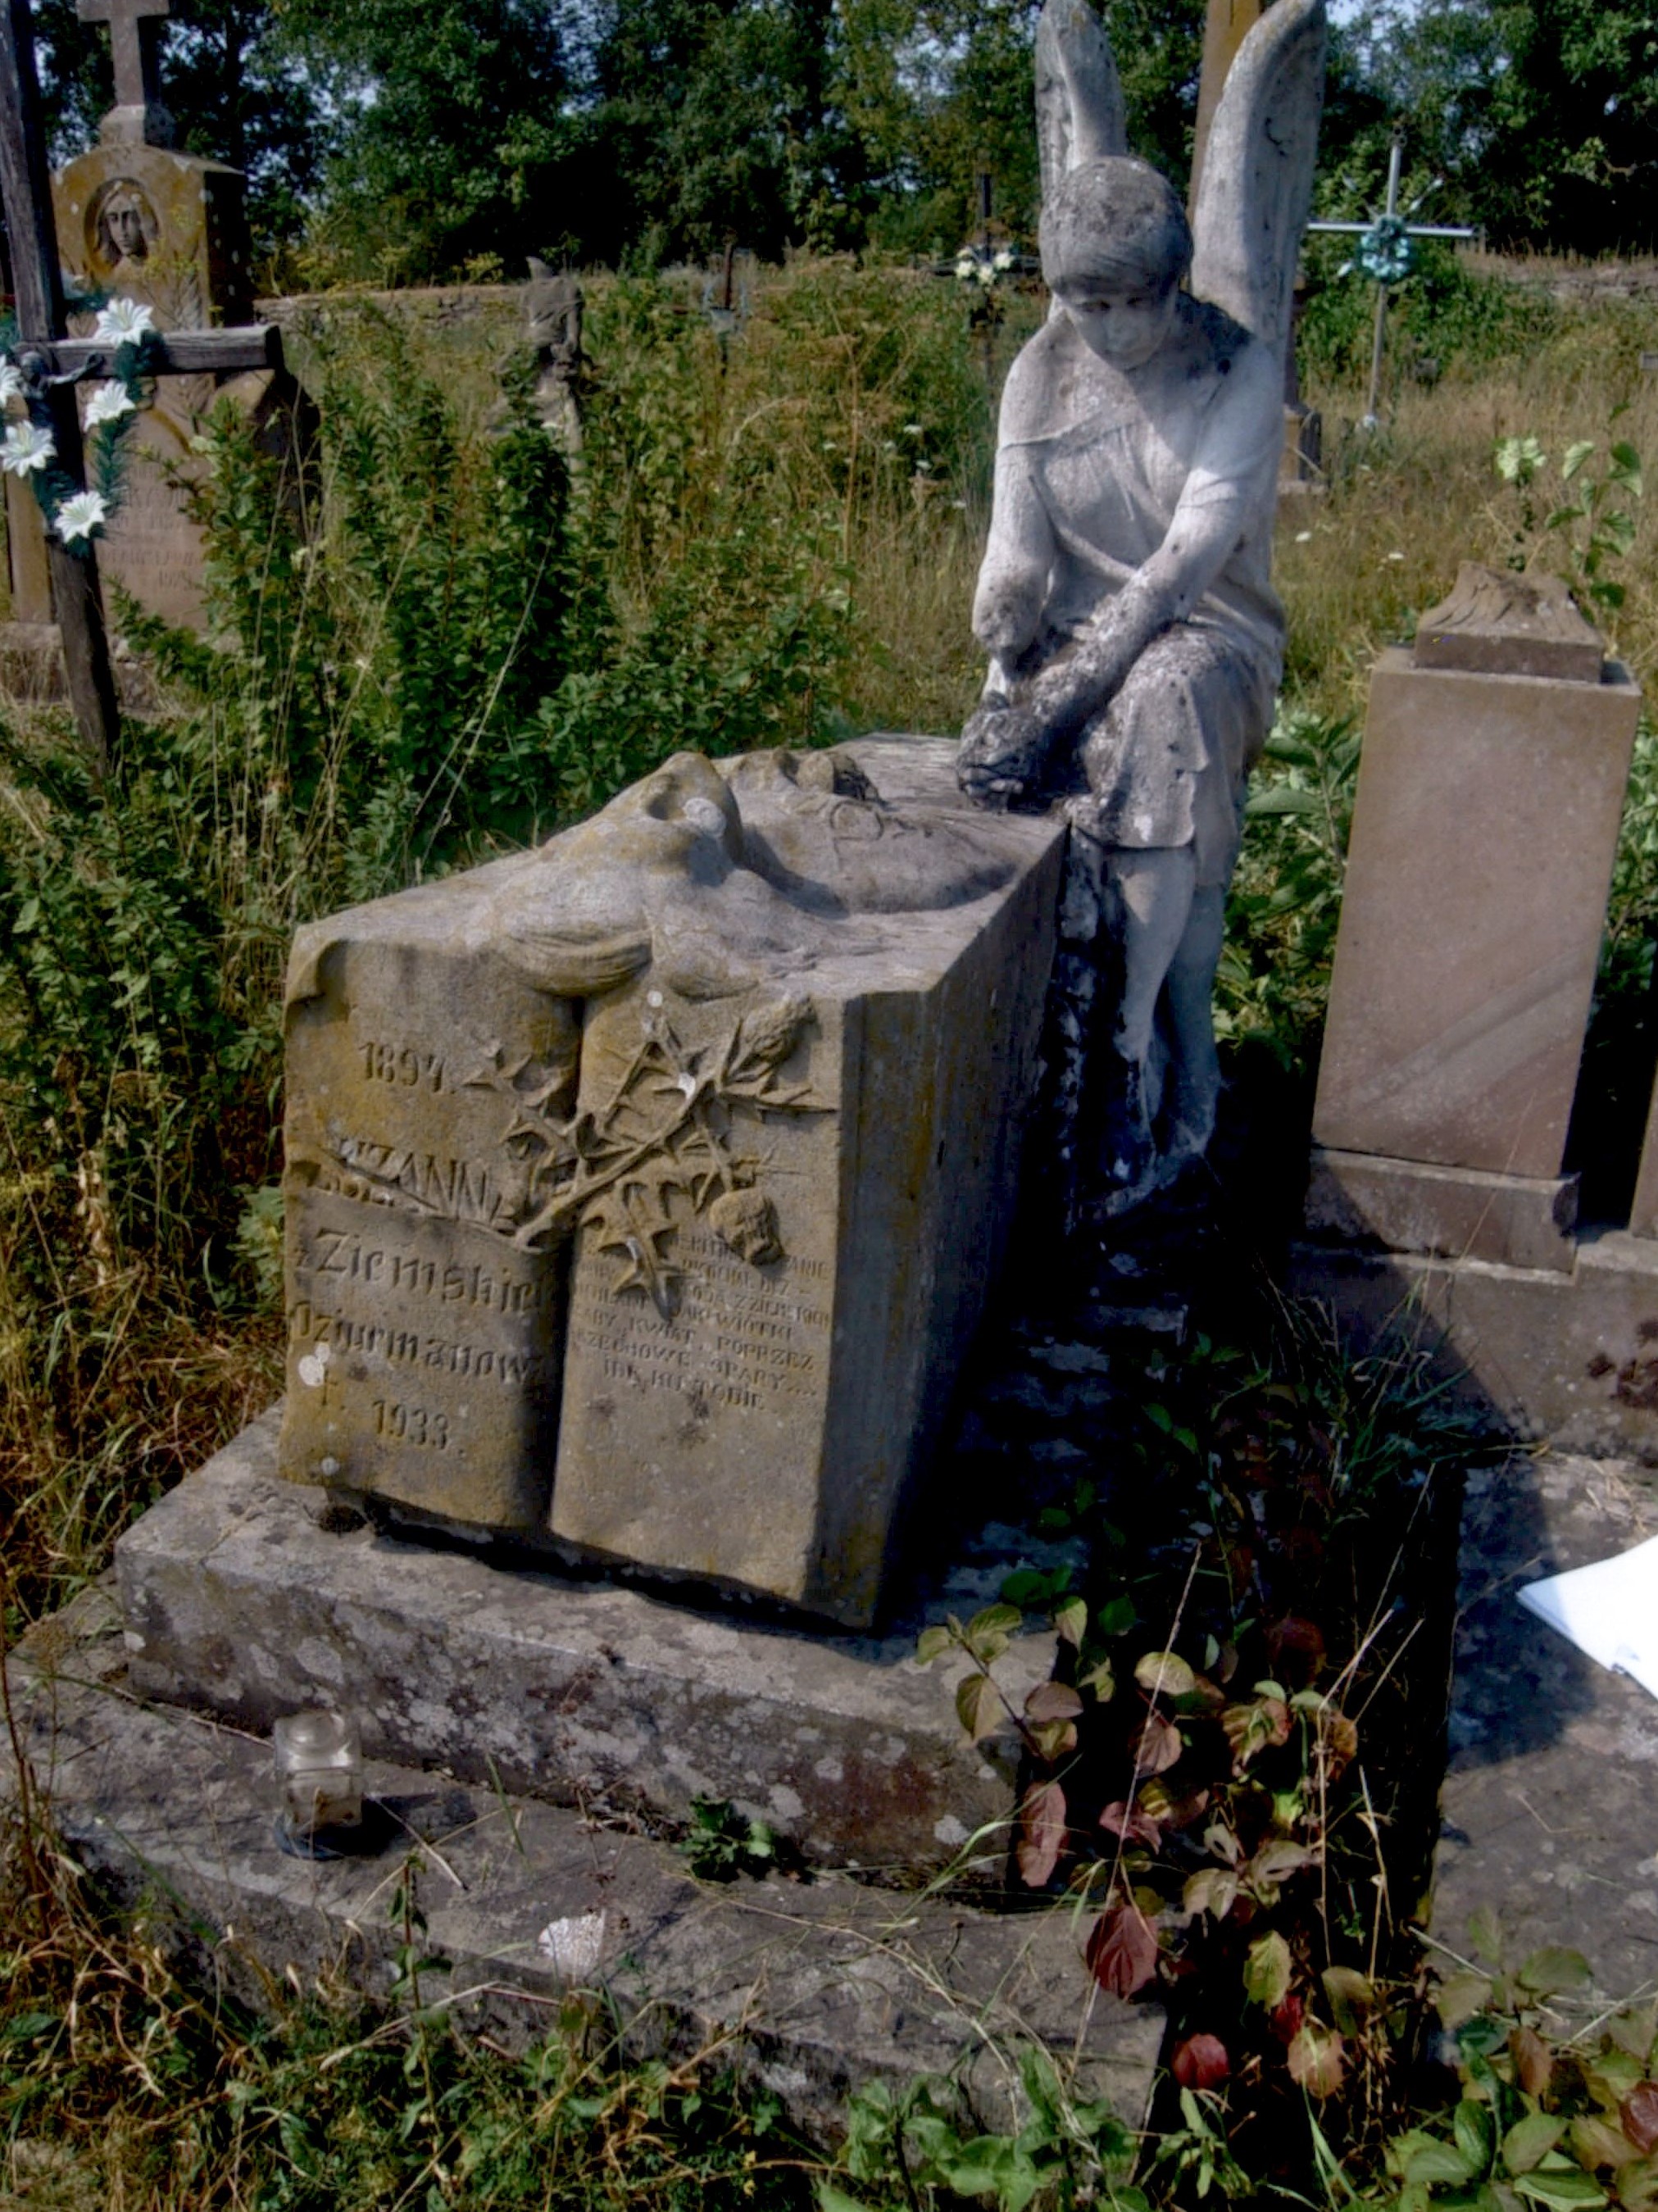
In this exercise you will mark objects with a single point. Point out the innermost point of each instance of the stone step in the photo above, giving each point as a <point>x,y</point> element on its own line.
<point>812,1988</point>
<point>246,1597</point>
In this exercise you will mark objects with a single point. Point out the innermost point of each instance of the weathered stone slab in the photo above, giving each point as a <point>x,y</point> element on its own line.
<point>811,1990</point>
<point>1494,622</point>
<point>241,1601</point>
<point>1549,1809</point>
<point>425,1347</point>
<point>168,230</point>
<point>1484,834</point>
<point>763,1423</point>
<point>1573,1358</point>
<point>763,1042</point>
<point>1402,1205</point>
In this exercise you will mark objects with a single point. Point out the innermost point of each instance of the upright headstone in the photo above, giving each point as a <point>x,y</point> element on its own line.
<point>1484,830</point>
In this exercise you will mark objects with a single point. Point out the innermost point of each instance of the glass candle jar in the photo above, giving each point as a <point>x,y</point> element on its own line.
<point>319,1771</point>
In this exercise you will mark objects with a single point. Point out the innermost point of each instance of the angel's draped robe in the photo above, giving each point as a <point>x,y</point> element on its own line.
<point>1093,473</point>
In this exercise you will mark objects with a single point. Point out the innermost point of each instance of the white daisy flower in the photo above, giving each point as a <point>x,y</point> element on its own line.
<point>1005,258</point>
<point>26,448</point>
<point>11,383</point>
<point>109,402</point>
<point>80,516</point>
<point>966,269</point>
<point>987,275</point>
<point>123,319</point>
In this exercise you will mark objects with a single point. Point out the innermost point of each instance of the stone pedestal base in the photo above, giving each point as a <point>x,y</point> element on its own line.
<point>1452,1213</point>
<point>811,1990</point>
<point>242,1600</point>
<point>1572,1357</point>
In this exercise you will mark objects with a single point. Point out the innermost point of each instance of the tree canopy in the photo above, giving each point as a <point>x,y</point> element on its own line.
<point>406,139</point>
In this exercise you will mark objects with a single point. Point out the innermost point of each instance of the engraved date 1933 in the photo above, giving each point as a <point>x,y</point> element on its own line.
<point>411,1424</point>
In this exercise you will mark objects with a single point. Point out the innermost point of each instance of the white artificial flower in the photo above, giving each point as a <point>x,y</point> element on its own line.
<point>11,384</point>
<point>27,448</point>
<point>109,402</point>
<point>987,275</point>
<point>966,269</point>
<point>78,517</point>
<point>1005,258</point>
<point>123,319</point>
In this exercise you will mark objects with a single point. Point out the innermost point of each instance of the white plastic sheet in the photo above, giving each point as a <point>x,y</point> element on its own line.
<point>1609,1610</point>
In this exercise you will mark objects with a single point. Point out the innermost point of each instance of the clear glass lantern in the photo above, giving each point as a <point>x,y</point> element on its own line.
<point>317,1759</point>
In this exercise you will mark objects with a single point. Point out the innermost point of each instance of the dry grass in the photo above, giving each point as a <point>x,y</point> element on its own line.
<point>1406,506</point>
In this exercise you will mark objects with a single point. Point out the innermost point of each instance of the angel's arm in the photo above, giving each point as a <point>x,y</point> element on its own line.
<point>1228,492</point>
<point>1007,607</point>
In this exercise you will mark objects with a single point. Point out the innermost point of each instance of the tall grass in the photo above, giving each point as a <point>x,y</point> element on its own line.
<point>439,638</point>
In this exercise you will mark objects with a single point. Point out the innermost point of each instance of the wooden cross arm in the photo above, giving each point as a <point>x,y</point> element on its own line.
<point>181,353</point>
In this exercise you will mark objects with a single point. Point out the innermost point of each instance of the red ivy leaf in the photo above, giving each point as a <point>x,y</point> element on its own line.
<point>1534,2063</point>
<point>1134,1828</point>
<point>1122,1950</point>
<point>1318,2060</point>
<point>1297,1646</point>
<point>1041,1833</point>
<point>1639,2114</point>
<point>1053,1701</point>
<point>1201,2062</point>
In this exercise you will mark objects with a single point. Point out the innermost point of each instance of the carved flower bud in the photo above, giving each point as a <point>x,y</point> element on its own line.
<point>745,1221</point>
<point>769,1034</point>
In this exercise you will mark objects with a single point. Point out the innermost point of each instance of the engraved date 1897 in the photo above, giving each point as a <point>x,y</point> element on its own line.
<point>401,1065</point>
<point>411,1424</point>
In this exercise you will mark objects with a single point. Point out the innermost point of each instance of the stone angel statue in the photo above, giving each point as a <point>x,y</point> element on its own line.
<point>1125,599</point>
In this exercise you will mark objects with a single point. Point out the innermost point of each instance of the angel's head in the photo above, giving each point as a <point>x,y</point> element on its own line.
<point>1116,246</point>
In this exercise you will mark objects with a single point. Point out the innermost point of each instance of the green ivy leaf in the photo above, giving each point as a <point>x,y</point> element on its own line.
<point>1266,1971</point>
<point>1529,2140</point>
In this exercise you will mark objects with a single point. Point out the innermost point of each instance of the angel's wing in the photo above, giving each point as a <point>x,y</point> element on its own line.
<point>1257,183</point>
<point>1079,110</point>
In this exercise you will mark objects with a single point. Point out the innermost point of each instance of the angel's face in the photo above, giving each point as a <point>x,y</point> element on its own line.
<point>1123,320</point>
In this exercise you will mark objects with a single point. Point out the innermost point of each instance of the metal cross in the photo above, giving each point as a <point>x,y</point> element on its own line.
<point>1389,214</point>
<point>132,27</point>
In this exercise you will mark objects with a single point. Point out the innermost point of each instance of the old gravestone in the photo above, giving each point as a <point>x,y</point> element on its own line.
<point>644,1192</point>
<point>136,220</point>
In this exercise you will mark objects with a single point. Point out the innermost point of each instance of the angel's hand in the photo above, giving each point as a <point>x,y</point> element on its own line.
<point>1002,750</point>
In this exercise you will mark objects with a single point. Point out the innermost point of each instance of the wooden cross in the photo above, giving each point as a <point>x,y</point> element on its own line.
<point>132,27</point>
<point>38,284</point>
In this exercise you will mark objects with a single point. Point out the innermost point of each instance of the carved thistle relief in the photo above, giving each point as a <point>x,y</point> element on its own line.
<point>680,1121</point>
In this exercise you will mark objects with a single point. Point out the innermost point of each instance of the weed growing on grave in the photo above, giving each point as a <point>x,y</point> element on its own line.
<point>722,1843</point>
<point>1588,526</point>
<point>1233,1787</point>
<point>1545,2115</point>
<point>921,2148</point>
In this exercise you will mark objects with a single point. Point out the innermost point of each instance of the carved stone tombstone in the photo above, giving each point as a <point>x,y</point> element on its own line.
<point>644,1192</point>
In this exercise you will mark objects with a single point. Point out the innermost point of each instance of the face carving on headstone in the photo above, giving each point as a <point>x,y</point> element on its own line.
<point>122,226</point>
<point>720,879</point>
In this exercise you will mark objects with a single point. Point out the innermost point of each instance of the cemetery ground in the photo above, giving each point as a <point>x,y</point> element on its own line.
<point>444,641</point>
